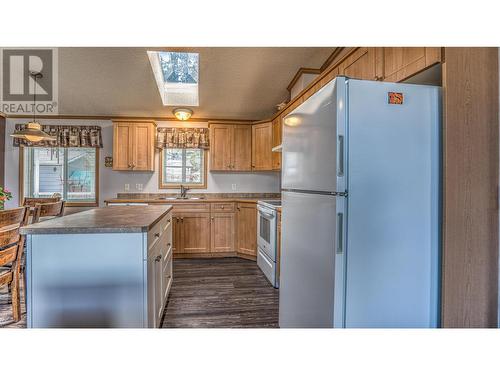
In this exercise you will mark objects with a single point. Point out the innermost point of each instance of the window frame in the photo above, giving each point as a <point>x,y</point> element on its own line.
<point>94,203</point>
<point>162,185</point>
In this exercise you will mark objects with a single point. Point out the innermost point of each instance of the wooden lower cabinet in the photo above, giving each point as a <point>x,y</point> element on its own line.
<point>192,233</point>
<point>215,230</point>
<point>222,232</point>
<point>246,219</point>
<point>176,234</point>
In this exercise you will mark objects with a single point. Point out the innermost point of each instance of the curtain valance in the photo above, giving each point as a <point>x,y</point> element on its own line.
<point>66,136</point>
<point>182,138</point>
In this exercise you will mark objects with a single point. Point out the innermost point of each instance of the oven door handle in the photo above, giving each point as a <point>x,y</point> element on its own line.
<point>266,215</point>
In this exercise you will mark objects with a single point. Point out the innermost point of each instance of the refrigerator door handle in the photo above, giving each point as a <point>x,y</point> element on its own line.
<point>340,233</point>
<point>340,156</point>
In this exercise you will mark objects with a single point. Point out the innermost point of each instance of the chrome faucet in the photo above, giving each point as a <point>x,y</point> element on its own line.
<point>184,190</point>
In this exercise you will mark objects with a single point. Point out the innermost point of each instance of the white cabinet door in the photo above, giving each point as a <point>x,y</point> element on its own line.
<point>154,287</point>
<point>150,269</point>
<point>158,289</point>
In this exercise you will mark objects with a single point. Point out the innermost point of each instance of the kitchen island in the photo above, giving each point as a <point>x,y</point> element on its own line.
<point>106,267</point>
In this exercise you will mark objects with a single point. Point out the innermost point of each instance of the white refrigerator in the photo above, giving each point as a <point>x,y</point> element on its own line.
<point>361,207</point>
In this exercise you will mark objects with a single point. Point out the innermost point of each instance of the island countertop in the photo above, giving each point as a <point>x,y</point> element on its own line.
<point>114,219</point>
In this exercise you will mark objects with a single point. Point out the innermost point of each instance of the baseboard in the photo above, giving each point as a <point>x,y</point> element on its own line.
<point>231,254</point>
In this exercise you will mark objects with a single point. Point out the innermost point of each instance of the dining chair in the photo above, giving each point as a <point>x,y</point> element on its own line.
<point>32,201</point>
<point>48,210</point>
<point>11,250</point>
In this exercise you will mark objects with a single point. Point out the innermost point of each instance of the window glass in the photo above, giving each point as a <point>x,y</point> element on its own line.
<point>69,172</point>
<point>183,166</point>
<point>177,77</point>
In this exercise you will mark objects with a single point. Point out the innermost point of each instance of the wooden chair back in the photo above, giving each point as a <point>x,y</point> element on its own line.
<point>31,202</point>
<point>55,209</point>
<point>11,252</point>
<point>10,238</point>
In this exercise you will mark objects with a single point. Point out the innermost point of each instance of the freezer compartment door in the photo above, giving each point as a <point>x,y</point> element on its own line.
<point>310,140</point>
<point>307,266</point>
<point>393,224</point>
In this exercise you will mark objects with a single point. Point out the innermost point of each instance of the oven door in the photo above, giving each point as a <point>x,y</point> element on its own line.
<point>266,231</point>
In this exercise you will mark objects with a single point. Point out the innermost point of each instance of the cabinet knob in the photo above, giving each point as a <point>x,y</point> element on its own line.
<point>222,207</point>
<point>158,258</point>
<point>157,235</point>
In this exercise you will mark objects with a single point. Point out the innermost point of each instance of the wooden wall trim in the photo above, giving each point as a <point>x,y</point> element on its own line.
<point>2,150</point>
<point>331,58</point>
<point>299,73</point>
<point>128,118</point>
<point>230,122</point>
<point>470,179</point>
<point>340,57</point>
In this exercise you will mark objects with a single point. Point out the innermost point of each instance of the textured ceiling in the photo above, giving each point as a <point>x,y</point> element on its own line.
<point>235,83</point>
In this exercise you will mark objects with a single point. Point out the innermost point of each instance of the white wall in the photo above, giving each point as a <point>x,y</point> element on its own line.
<point>112,182</point>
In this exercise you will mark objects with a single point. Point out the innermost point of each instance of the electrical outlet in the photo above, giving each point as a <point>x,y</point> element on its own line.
<point>127,187</point>
<point>233,187</point>
<point>138,187</point>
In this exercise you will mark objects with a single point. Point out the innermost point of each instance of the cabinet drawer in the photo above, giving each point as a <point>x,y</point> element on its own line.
<point>164,225</point>
<point>222,207</point>
<point>191,207</point>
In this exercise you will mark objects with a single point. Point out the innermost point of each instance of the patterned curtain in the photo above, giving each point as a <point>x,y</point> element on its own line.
<point>182,138</point>
<point>66,136</point>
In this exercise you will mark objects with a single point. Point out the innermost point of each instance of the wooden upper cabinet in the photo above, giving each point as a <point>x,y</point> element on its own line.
<point>262,140</point>
<point>221,147</point>
<point>246,219</point>
<point>143,147</point>
<point>400,63</point>
<point>230,147</point>
<point>122,146</point>
<point>133,146</point>
<point>364,63</point>
<point>277,139</point>
<point>242,148</point>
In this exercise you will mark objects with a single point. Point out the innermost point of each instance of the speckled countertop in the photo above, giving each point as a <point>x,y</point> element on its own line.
<point>181,201</point>
<point>159,198</point>
<point>114,219</point>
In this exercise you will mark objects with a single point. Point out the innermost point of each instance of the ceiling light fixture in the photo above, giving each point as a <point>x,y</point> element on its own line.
<point>183,114</point>
<point>33,130</point>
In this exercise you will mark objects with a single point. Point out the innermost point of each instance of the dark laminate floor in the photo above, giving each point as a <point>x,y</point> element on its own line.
<point>220,293</point>
<point>6,319</point>
<point>206,293</point>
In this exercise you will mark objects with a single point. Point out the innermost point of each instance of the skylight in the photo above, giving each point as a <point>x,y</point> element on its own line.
<point>176,75</point>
